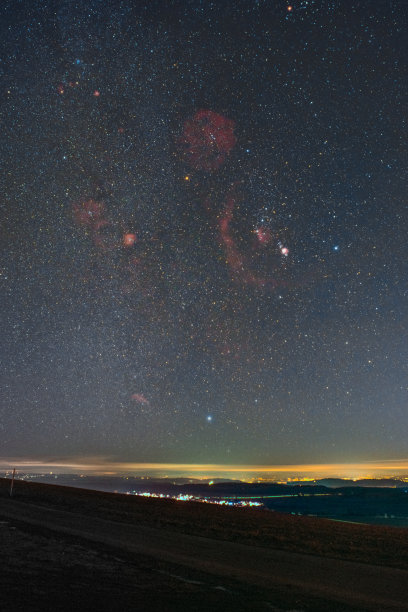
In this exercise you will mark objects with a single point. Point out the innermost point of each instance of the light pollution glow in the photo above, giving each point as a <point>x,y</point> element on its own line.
<point>99,466</point>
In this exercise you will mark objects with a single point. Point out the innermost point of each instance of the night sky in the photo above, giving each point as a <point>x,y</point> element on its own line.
<point>204,230</point>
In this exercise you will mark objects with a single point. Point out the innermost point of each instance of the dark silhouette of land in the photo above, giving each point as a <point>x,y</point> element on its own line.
<point>65,548</point>
<point>381,501</point>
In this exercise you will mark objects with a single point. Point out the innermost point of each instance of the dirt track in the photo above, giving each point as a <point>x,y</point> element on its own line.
<point>361,586</point>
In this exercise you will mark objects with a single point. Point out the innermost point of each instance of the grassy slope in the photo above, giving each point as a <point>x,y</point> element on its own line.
<point>370,544</point>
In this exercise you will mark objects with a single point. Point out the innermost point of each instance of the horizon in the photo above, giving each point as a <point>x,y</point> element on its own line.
<point>102,467</point>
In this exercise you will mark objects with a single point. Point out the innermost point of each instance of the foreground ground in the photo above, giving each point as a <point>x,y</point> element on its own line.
<point>66,549</point>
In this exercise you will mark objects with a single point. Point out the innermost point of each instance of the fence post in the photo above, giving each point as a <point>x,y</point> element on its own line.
<point>12,483</point>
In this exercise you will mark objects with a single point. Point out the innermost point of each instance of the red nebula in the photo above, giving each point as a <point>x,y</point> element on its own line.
<point>105,235</point>
<point>140,398</point>
<point>207,138</point>
<point>242,267</point>
<point>263,234</point>
<point>93,216</point>
<point>89,212</point>
<point>129,240</point>
<point>235,259</point>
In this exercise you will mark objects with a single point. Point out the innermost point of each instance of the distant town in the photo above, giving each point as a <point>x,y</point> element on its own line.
<point>373,500</point>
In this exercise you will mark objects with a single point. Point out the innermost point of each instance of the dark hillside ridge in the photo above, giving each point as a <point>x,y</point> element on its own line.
<point>375,544</point>
<point>364,504</point>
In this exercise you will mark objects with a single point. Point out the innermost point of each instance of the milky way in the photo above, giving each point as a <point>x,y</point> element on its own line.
<point>204,225</point>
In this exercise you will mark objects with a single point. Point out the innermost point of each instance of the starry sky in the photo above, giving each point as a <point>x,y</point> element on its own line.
<point>204,230</point>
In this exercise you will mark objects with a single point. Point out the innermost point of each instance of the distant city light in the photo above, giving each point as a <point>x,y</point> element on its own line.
<point>204,500</point>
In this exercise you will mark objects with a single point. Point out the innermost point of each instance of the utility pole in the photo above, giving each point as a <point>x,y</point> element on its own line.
<point>12,483</point>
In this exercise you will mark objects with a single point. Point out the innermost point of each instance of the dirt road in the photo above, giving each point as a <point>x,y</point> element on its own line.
<point>366,587</point>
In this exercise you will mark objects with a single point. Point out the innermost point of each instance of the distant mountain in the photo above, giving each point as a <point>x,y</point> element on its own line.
<point>363,482</point>
<point>130,484</point>
<point>218,488</point>
<point>215,488</point>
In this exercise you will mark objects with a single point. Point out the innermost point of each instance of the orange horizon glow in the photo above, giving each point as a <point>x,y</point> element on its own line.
<point>104,466</point>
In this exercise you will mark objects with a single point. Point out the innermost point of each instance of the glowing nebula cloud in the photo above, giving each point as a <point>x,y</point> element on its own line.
<point>207,140</point>
<point>140,398</point>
